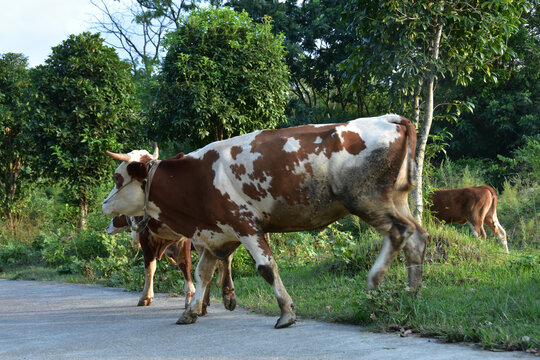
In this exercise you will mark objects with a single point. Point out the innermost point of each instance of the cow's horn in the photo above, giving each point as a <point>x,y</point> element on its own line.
<point>156,151</point>
<point>121,157</point>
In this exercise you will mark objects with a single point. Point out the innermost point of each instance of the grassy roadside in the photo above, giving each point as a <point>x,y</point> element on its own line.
<point>471,291</point>
<point>494,306</point>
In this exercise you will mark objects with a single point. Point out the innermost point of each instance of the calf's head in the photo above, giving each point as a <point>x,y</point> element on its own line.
<point>127,196</point>
<point>118,224</point>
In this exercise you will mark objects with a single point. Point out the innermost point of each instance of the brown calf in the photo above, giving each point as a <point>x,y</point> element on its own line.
<point>473,205</point>
<point>178,252</point>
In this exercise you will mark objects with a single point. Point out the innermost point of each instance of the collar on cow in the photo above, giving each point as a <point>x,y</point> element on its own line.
<point>152,167</point>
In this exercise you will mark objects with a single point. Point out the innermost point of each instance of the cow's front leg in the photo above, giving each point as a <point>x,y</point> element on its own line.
<point>414,250</point>
<point>203,276</point>
<point>259,249</point>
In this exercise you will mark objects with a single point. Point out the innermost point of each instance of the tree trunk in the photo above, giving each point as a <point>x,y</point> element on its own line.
<point>83,207</point>
<point>416,105</point>
<point>426,127</point>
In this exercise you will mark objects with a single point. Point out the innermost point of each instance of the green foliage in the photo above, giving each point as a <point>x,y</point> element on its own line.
<point>84,105</point>
<point>398,38</point>
<point>223,76</point>
<point>519,212</point>
<point>317,41</point>
<point>15,149</point>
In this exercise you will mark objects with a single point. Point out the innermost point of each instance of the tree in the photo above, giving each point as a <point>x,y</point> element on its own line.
<point>14,146</point>
<point>507,112</point>
<point>415,43</point>
<point>84,106</point>
<point>138,28</point>
<point>222,76</point>
<point>317,41</point>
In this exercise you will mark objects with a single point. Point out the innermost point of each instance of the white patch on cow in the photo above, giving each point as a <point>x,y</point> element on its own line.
<point>318,140</point>
<point>473,229</point>
<point>135,241</point>
<point>137,155</point>
<point>381,264</point>
<point>153,210</point>
<point>209,239</point>
<point>292,145</point>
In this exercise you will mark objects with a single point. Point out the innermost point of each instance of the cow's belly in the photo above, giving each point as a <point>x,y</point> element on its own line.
<point>287,218</point>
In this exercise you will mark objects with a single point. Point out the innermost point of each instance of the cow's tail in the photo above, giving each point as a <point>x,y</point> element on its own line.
<point>409,160</point>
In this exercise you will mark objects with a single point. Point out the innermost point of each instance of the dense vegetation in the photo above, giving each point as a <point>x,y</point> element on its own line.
<point>57,120</point>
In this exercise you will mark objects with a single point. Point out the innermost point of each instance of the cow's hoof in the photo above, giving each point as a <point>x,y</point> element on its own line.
<point>187,317</point>
<point>285,321</point>
<point>204,310</point>
<point>229,303</point>
<point>145,302</point>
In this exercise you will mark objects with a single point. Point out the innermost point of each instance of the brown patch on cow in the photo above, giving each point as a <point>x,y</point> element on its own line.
<point>238,170</point>
<point>267,273</point>
<point>120,221</point>
<point>235,150</point>
<point>309,168</point>
<point>137,170</point>
<point>278,165</point>
<point>352,142</point>
<point>254,192</point>
<point>265,247</point>
<point>146,158</point>
<point>178,156</point>
<point>188,200</point>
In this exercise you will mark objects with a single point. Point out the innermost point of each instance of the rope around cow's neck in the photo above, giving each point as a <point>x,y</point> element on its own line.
<point>152,167</point>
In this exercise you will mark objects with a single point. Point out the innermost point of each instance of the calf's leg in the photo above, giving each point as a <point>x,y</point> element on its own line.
<point>148,292</point>
<point>184,263</point>
<point>493,223</point>
<point>149,257</point>
<point>203,276</point>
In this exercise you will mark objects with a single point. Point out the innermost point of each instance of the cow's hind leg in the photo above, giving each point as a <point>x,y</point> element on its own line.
<point>493,223</point>
<point>203,276</point>
<point>226,283</point>
<point>397,230</point>
<point>259,250</point>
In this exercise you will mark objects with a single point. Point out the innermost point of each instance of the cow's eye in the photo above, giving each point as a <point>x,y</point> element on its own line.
<point>118,180</point>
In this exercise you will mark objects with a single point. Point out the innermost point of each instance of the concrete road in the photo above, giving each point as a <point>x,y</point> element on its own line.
<point>48,320</point>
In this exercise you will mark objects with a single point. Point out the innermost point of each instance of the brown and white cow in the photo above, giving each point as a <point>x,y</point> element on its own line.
<point>473,205</point>
<point>178,252</point>
<point>234,191</point>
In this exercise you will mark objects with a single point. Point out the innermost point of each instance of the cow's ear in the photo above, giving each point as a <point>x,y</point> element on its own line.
<point>137,170</point>
<point>178,156</point>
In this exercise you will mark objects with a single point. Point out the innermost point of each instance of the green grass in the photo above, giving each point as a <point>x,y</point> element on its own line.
<point>495,306</point>
<point>472,292</point>
<point>39,272</point>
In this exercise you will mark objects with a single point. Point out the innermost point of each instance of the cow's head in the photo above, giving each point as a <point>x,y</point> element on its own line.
<point>127,196</point>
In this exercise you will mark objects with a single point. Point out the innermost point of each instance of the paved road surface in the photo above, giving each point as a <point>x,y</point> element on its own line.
<point>48,320</point>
